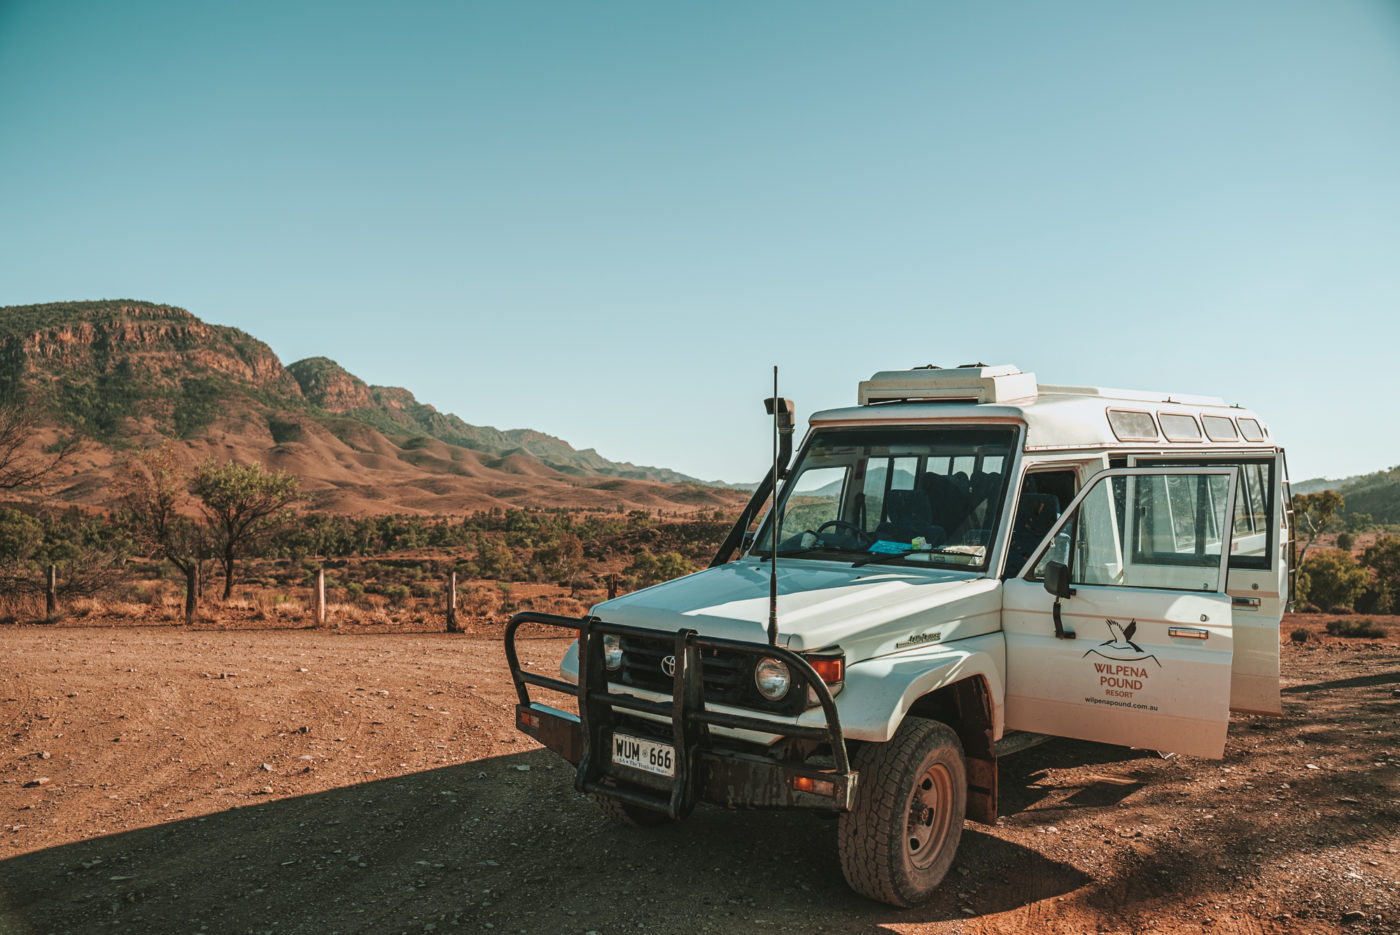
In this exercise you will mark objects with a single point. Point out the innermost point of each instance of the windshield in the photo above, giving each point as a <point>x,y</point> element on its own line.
<point>914,495</point>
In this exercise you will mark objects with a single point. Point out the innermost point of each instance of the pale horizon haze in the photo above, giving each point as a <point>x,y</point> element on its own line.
<point>608,221</point>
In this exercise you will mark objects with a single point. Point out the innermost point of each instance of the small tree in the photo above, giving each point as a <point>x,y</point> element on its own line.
<point>1333,579</point>
<point>1383,558</point>
<point>644,570</point>
<point>243,506</point>
<point>562,561</point>
<point>1313,513</point>
<point>21,463</point>
<point>20,537</point>
<point>154,492</point>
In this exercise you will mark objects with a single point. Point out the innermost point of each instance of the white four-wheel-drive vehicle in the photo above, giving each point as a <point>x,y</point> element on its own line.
<point>966,562</point>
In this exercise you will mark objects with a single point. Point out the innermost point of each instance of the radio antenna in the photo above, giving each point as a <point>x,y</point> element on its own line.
<point>777,526</point>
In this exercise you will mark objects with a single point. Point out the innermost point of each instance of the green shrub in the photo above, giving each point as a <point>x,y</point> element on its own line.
<point>1332,578</point>
<point>397,593</point>
<point>1364,627</point>
<point>354,590</point>
<point>1300,635</point>
<point>1345,541</point>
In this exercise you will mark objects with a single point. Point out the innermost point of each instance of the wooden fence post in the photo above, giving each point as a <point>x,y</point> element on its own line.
<point>51,594</point>
<point>319,600</point>
<point>452,625</point>
<point>191,590</point>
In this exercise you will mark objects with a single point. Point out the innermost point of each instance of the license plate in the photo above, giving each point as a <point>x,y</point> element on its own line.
<point>646,755</point>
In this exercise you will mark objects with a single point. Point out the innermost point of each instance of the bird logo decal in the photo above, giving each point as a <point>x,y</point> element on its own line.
<point>1122,635</point>
<point>1120,646</point>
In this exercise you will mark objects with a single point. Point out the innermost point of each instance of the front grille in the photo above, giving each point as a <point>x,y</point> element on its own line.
<point>726,675</point>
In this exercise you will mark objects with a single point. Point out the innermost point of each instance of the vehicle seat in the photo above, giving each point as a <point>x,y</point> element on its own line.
<point>984,488</point>
<point>907,515</point>
<point>951,502</point>
<point>1035,515</point>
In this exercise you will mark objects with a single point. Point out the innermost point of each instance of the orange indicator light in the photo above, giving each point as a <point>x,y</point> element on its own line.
<point>815,786</point>
<point>830,670</point>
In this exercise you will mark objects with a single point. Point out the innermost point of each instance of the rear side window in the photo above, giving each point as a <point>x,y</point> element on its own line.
<point>1179,427</point>
<point>1251,430</point>
<point>1132,426</point>
<point>1220,428</point>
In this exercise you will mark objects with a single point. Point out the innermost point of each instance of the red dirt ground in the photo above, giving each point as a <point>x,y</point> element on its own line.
<point>167,779</point>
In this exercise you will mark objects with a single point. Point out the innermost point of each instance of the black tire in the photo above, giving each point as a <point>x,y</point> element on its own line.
<point>899,838</point>
<point>624,813</point>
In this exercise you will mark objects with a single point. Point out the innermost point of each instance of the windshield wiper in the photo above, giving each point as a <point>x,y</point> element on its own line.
<point>789,553</point>
<point>891,556</point>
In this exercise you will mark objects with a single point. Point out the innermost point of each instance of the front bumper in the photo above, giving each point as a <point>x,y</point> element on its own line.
<point>704,769</point>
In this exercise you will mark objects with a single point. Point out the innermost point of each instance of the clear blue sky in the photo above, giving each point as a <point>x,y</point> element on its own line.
<point>607,221</point>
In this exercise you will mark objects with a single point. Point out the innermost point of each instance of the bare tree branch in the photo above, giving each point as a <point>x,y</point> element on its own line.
<point>22,462</point>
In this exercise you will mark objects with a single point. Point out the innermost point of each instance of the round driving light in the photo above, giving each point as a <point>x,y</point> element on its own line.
<point>772,678</point>
<point>612,652</point>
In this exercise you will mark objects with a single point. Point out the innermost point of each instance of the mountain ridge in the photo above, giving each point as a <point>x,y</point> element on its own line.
<point>126,373</point>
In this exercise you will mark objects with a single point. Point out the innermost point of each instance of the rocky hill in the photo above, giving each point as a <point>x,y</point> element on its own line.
<point>126,374</point>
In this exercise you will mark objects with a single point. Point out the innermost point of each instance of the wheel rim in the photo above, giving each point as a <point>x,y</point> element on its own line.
<point>929,815</point>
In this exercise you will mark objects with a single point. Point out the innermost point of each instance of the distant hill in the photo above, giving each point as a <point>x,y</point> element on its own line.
<point>1377,495</point>
<point>1319,484</point>
<point>126,374</point>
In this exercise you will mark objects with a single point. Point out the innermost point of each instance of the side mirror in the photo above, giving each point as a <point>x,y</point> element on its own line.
<point>1057,580</point>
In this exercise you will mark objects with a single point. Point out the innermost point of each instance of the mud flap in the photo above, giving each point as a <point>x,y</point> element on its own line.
<point>982,789</point>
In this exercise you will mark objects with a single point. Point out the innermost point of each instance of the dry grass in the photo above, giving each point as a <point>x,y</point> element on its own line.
<point>483,607</point>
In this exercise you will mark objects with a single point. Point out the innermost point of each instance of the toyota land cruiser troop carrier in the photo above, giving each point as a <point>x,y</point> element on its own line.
<point>964,563</point>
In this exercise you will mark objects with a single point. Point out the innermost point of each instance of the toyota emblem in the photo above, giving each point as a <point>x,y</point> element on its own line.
<point>668,665</point>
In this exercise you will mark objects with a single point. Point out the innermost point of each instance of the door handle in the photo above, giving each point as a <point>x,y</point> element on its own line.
<point>1190,633</point>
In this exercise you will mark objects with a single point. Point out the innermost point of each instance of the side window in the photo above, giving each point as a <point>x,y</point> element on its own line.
<point>1254,500</point>
<point>1148,530</point>
<point>815,499</point>
<point>1043,497</point>
<point>1251,514</point>
<point>1178,518</point>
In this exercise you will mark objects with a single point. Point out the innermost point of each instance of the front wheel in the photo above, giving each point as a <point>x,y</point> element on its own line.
<point>898,840</point>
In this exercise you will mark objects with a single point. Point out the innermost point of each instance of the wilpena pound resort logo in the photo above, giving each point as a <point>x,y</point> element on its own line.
<point>1126,671</point>
<point>1122,647</point>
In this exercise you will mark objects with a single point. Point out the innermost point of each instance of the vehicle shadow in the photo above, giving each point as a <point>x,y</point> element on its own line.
<point>1360,681</point>
<point>1021,788</point>
<point>504,841</point>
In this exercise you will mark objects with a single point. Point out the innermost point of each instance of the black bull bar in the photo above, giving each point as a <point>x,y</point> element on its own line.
<point>702,772</point>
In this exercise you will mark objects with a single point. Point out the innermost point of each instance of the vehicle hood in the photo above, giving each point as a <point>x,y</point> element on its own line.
<point>868,611</point>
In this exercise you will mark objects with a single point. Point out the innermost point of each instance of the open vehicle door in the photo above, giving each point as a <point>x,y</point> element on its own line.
<point>1257,579</point>
<point>1136,650</point>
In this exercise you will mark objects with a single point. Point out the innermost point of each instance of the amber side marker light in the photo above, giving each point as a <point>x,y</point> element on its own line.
<point>830,670</point>
<point>527,719</point>
<point>815,786</point>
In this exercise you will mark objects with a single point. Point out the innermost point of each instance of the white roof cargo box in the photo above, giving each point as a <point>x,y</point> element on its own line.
<point>976,383</point>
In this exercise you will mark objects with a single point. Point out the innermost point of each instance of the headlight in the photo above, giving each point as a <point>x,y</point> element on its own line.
<point>772,678</point>
<point>612,652</point>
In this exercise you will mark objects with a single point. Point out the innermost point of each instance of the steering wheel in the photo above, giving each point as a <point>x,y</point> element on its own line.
<point>860,534</point>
